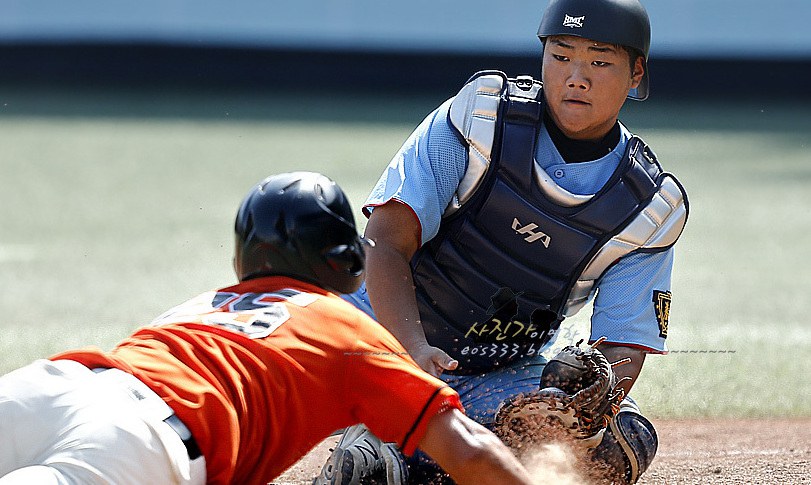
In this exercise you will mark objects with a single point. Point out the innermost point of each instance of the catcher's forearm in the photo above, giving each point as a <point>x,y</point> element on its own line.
<point>388,275</point>
<point>629,372</point>
<point>391,292</point>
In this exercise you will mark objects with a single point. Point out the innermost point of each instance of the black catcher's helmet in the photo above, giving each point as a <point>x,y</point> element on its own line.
<point>299,225</point>
<point>621,22</point>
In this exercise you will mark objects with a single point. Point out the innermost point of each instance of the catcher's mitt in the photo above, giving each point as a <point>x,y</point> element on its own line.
<point>579,392</point>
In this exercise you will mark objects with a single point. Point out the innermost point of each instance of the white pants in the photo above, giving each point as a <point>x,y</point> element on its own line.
<point>61,423</point>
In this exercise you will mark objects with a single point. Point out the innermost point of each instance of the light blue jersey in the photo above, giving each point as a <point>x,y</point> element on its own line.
<point>425,174</point>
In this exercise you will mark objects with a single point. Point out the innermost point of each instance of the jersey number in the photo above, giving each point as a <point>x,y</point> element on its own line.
<point>255,315</point>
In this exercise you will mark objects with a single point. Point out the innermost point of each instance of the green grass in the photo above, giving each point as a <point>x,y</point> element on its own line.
<point>117,205</point>
<point>742,277</point>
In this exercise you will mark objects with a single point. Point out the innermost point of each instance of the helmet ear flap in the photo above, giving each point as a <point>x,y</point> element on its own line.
<point>345,259</point>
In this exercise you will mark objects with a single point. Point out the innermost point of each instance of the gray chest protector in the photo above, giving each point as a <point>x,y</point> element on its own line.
<point>516,253</point>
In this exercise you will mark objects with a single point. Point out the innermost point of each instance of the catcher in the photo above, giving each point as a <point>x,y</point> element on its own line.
<point>237,384</point>
<point>513,205</point>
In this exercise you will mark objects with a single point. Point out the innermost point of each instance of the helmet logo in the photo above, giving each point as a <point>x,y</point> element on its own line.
<point>572,22</point>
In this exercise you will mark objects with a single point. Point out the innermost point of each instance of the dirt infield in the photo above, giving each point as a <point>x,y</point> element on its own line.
<point>775,451</point>
<point>724,451</point>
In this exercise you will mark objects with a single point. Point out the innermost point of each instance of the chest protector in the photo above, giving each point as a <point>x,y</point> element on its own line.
<point>516,253</point>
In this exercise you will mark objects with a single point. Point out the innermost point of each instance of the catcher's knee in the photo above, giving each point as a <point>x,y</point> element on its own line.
<point>629,444</point>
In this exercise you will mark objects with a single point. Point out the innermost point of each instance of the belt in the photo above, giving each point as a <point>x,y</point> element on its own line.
<point>192,448</point>
<point>185,435</point>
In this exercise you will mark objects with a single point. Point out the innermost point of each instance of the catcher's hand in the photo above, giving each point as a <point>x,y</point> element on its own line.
<point>579,392</point>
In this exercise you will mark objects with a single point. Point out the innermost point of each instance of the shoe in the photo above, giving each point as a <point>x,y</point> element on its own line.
<point>360,458</point>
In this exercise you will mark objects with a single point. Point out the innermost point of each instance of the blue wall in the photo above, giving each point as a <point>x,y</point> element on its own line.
<point>719,48</point>
<point>681,28</point>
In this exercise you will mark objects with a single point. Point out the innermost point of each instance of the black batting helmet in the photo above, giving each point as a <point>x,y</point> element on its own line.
<point>299,225</point>
<point>620,22</point>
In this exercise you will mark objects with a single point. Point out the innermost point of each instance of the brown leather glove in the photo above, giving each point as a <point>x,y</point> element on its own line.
<point>578,393</point>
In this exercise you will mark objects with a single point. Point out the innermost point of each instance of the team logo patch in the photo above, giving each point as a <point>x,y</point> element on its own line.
<point>573,22</point>
<point>661,305</point>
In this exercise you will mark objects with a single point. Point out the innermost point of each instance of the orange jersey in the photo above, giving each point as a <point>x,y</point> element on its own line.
<point>264,370</point>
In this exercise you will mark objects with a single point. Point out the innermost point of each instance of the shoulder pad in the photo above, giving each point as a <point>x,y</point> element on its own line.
<point>473,114</point>
<point>663,220</point>
<point>668,209</point>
